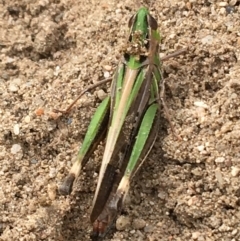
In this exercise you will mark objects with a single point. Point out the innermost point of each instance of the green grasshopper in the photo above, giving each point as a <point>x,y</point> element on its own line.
<point>129,121</point>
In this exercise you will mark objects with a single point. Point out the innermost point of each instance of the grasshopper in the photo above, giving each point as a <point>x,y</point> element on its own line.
<point>128,120</point>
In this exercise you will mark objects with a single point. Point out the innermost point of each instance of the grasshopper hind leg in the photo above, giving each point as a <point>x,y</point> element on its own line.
<point>95,134</point>
<point>104,223</point>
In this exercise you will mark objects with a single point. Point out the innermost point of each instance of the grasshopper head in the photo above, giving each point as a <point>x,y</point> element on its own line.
<point>143,34</point>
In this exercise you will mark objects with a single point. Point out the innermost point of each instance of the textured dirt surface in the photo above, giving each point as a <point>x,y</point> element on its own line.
<point>50,50</point>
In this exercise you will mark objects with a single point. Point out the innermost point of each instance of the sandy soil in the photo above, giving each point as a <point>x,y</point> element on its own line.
<point>50,50</point>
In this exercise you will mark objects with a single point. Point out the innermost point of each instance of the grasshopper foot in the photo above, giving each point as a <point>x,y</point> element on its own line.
<point>66,186</point>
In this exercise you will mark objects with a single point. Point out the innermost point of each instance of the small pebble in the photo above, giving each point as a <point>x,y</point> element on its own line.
<point>229,9</point>
<point>69,121</point>
<point>34,161</point>
<point>195,235</point>
<point>107,67</point>
<point>54,115</point>
<point>52,172</point>
<point>13,87</point>
<point>32,206</point>
<point>222,4</point>
<point>122,223</point>
<point>207,40</point>
<point>10,60</point>
<point>138,223</point>
<point>15,148</point>
<point>162,195</point>
<point>197,172</point>
<point>27,119</point>
<point>148,228</point>
<point>219,159</point>
<point>16,129</point>
<point>222,11</point>
<point>227,127</point>
<point>39,111</point>
<point>190,202</point>
<point>201,104</point>
<point>52,191</point>
<point>106,74</point>
<point>233,2</point>
<point>101,94</point>
<point>118,11</point>
<point>219,177</point>
<point>5,76</point>
<point>42,200</point>
<point>57,70</point>
<point>235,171</point>
<point>200,148</point>
<point>17,81</point>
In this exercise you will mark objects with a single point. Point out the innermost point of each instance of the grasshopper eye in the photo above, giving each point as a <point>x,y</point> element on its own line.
<point>131,21</point>
<point>152,22</point>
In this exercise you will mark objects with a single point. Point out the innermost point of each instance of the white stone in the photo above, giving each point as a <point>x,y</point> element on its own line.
<point>235,171</point>
<point>15,148</point>
<point>16,129</point>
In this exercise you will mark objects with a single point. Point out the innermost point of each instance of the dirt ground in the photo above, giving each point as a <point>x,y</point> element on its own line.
<point>52,49</point>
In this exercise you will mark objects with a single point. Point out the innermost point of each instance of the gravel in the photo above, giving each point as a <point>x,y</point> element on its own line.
<point>50,51</point>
